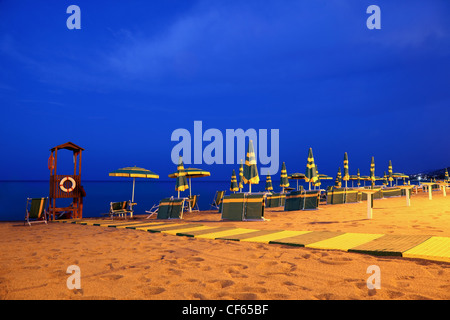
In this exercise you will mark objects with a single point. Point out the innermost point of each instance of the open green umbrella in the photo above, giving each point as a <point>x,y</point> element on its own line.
<point>311,173</point>
<point>191,173</point>
<point>241,176</point>
<point>372,172</point>
<point>250,170</point>
<point>134,172</point>
<point>234,186</point>
<point>284,181</point>
<point>269,186</point>
<point>181,183</point>
<point>346,175</point>
<point>297,176</point>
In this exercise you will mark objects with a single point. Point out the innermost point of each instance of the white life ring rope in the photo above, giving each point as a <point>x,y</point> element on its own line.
<point>72,187</point>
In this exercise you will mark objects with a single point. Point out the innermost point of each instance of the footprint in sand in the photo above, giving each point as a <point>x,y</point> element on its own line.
<point>151,291</point>
<point>221,284</point>
<point>111,277</point>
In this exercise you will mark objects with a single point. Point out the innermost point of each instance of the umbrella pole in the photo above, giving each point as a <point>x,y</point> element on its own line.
<point>297,185</point>
<point>249,188</point>
<point>310,185</point>
<point>190,195</point>
<point>132,195</point>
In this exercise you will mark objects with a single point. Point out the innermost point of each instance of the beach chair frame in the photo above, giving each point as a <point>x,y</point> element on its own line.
<point>36,209</point>
<point>217,199</point>
<point>120,209</point>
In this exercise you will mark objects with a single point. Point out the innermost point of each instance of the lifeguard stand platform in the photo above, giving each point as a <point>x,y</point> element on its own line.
<point>66,186</point>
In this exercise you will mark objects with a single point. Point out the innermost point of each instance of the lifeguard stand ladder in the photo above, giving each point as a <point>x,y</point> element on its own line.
<point>66,186</point>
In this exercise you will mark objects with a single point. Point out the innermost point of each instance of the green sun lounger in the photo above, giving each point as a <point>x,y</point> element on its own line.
<point>36,210</point>
<point>254,209</point>
<point>233,207</point>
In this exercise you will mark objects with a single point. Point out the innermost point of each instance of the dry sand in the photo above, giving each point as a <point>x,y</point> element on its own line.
<point>132,264</point>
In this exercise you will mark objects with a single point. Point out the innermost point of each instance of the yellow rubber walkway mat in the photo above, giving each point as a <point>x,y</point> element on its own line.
<point>135,225</point>
<point>154,227</point>
<point>390,245</point>
<point>435,248</point>
<point>267,238</point>
<point>189,228</point>
<point>225,233</point>
<point>205,231</point>
<point>344,241</point>
<point>247,235</point>
<point>307,238</point>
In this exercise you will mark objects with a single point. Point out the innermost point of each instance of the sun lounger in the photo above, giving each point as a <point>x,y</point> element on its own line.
<point>302,200</point>
<point>311,200</point>
<point>176,208</point>
<point>233,207</point>
<point>294,201</point>
<point>193,203</point>
<point>254,209</point>
<point>120,209</point>
<point>217,199</point>
<point>391,192</point>
<point>36,210</point>
<point>275,200</point>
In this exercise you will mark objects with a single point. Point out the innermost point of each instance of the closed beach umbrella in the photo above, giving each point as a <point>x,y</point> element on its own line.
<point>337,182</point>
<point>358,178</point>
<point>390,172</point>
<point>269,186</point>
<point>346,175</point>
<point>250,170</point>
<point>181,183</point>
<point>385,179</point>
<point>134,172</point>
<point>372,172</point>
<point>311,173</point>
<point>284,181</point>
<point>191,173</point>
<point>241,176</point>
<point>234,185</point>
<point>446,179</point>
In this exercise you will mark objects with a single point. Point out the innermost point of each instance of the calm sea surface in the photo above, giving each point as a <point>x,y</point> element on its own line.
<point>99,194</point>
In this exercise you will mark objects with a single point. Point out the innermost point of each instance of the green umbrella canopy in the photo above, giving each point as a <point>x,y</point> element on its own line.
<point>181,183</point>
<point>269,186</point>
<point>346,175</point>
<point>234,184</point>
<point>134,172</point>
<point>250,170</point>
<point>284,182</point>
<point>192,173</point>
<point>311,173</point>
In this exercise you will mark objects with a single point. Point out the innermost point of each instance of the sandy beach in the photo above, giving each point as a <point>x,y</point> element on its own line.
<point>132,264</point>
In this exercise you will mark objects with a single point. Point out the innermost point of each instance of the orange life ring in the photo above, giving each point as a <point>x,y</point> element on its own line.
<point>72,187</point>
<point>51,162</point>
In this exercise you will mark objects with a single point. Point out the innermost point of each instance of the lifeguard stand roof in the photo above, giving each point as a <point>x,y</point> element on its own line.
<point>69,146</point>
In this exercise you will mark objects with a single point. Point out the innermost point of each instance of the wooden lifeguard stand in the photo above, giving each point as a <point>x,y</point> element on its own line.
<point>66,186</point>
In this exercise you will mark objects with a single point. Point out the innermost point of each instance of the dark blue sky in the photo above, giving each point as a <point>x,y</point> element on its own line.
<point>138,70</point>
